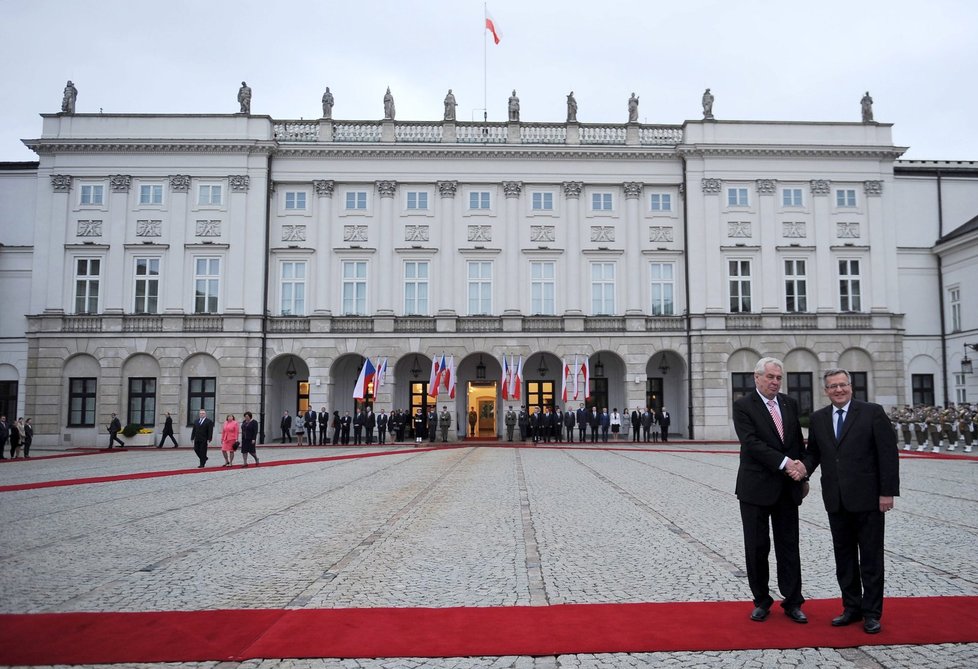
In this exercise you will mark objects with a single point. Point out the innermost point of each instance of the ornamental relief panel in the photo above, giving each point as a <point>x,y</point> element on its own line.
<point>766,186</point>
<point>179,183</point>
<point>89,229</point>
<point>208,228</point>
<point>324,187</point>
<point>739,229</point>
<point>239,183</point>
<point>120,183</point>
<point>602,233</point>
<point>293,233</point>
<point>794,229</point>
<point>447,188</point>
<point>873,187</point>
<point>480,233</point>
<point>354,233</point>
<point>60,183</point>
<point>149,228</point>
<point>847,230</point>
<point>713,186</point>
<point>416,233</point>
<point>821,186</point>
<point>660,233</point>
<point>543,233</point>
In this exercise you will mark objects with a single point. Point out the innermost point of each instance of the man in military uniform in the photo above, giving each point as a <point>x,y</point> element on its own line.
<point>510,424</point>
<point>444,422</point>
<point>920,427</point>
<point>433,424</point>
<point>949,424</point>
<point>523,420</point>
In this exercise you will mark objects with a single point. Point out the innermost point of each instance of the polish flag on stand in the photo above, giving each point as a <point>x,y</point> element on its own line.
<point>565,373</point>
<point>491,27</point>
<point>518,380</point>
<point>577,371</point>
<point>504,380</point>
<point>367,373</point>
<point>434,378</point>
<point>381,376</point>
<point>450,377</point>
<point>586,368</point>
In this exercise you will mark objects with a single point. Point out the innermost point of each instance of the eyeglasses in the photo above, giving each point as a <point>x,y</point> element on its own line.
<point>837,386</point>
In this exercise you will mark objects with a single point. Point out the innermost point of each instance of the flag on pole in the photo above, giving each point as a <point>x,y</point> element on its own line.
<point>447,371</point>
<point>434,377</point>
<point>367,373</point>
<point>381,376</point>
<point>565,371</point>
<point>451,376</point>
<point>586,369</point>
<point>577,371</point>
<point>491,27</point>
<point>518,380</point>
<point>505,379</point>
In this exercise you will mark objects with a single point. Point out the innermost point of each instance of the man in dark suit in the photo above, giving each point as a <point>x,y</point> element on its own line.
<point>115,427</point>
<point>323,420</point>
<point>771,450</point>
<point>665,420</point>
<point>309,420</point>
<point>581,416</point>
<point>202,434</point>
<point>286,426</point>
<point>636,421</point>
<point>857,448</point>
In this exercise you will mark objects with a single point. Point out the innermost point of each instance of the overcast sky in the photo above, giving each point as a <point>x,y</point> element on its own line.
<point>763,60</point>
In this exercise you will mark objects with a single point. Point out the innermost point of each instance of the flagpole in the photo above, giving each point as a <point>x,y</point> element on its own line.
<point>485,42</point>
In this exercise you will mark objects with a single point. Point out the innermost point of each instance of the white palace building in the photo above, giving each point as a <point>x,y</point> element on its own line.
<point>164,263</point>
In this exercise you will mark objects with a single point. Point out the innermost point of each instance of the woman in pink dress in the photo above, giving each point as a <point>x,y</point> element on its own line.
<point>230,435</point>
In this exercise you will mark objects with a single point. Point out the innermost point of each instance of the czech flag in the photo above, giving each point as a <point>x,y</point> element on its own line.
<point>505,379</point>
<point>367,373</point>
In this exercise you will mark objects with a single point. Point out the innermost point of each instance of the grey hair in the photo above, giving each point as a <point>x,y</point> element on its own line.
<point>833,372</point>
<point>764,362</point>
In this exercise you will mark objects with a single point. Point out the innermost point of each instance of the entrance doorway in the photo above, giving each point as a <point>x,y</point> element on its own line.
<point>481,397</point>
<point>539,394</point>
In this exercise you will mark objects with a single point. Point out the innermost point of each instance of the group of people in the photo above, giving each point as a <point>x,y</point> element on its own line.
<point>365,426</point>
<point>235,436</point>
<point>554,424</point>
<point>20,434</point>
<point>856,446</point>
<point>936,426</point>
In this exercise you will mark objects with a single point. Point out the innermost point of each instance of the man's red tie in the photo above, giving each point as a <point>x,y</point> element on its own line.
<point>776,416</point>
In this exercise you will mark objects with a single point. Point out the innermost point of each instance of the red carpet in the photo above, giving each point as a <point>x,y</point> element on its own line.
<point>188,636</point>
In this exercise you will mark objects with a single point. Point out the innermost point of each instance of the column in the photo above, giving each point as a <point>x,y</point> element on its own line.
<point>444,293</point>
<point>115,229</point>
<point>511,244</point>
<point>767,235</point>
<point>822,238</point>
<point>323,236</point>
<point>572,200</point>
<point>633,249</point>
<point>707,246</point>
<point>54,248</point>
<point>879,248</point>
<point>176,235</point>
<point>385,248</point>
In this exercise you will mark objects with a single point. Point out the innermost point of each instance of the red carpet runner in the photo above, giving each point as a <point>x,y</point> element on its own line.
<point>188,636</point>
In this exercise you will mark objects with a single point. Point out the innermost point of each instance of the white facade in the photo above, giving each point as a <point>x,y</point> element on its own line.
<point>672,257</point>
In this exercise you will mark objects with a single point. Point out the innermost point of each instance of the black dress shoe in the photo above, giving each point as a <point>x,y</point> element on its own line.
<point>796,615</point>
<point>846,618</point>
<point>759,614</point>
<point>872,626</point>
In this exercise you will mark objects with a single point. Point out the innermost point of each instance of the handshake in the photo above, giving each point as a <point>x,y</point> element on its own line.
<point>795,469</point>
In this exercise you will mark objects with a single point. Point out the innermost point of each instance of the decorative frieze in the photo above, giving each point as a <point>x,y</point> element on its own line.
<point>794,229</point>
<point>480,233</point>
<point>633,189</point>
<point>660,233</point>
<point>512,188</point>
<point>821,186</point>
<point>386,188</point>
<point>543,233</point>
<point>179,183</point>
<point>711,186</point>
<point>208,228</point>
<point>573,188</point>
<point>739,229</point>
<point>847,230</point>
<point>602,233</point>
<point>766,186</point>
<point>873,187</point>
<point>120,183</point>
<point>60,183</point>
<point>447,188</point>
<point>354,233</point>
<point>89,229</point>
<point>149,228</point>
<point>324,187</point>
<point>239,183</point>
<point>293,233</point>
<point>416,233</point>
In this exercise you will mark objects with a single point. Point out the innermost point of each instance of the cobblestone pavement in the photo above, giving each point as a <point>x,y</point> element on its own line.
<point>468,526</point>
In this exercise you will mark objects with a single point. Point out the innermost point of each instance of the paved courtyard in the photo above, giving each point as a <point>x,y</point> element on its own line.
<point>467,526</point>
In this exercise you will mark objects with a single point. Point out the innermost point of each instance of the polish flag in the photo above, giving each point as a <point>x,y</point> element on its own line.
<point>577,370</point>
<point>491,27</point>
<point>565,372</point>
<point>434,378</point>
<point>518,380</point>
<point>451,375</point>
<point>447,371</point>
<point>381,376</point>
<point>367,373</point>
<point>505,378</point>
<point>586,369</point>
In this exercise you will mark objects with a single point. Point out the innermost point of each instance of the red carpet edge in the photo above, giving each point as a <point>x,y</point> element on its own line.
<point>237,635</point>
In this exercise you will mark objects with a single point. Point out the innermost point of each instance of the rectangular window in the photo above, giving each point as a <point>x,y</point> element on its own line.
<point>661,202</point>
<point>209,195</point>
<point>147,286</point>
<point>207,284</point>
<point>845,197</point>
<point>737,197</point>
<point>795,286</point>
<point>860,385</point>
<point>81,402</point>
<point>739,281</point>
<point>922,388</point>
<point>142,402</point>
<point>800,389</point>
<point>954,299</point>
<point>479,200</point>
<point>416,287</point>
<point>417,200</point>
<point>295,200</point>
<point>602,288</point>
<point>601,202</point>
<point>542,201</point>
<point>8,398</point>
<point>741,384</point>
<point>849,286</point>
<point>480,287</point>
<point>663,288</point>
<point>201,394</point>
<point>151,194</point>
<point>543,288</point>
<point>960,389</point>
<point>88,273</point>
<point>92,194</point>
<point>354,287</point>
<point>356,200</point>
<point>293,288</point>
<point>792,197</point>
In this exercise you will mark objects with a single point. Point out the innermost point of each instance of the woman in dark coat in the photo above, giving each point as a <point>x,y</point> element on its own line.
<point>336,427</point>
<point>28,437</point>
<point>249,438</point>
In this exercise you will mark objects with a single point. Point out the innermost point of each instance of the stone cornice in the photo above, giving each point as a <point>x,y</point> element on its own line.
<point>48,146</point>
<point>792,151</point>
<point>479,151</point>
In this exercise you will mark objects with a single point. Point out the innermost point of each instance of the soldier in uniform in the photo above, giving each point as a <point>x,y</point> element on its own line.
<point>433,424</point>
<point>905,419</point>
<point>510,424</point>
<point>949,424</point>
<point>444,422</point>
<point>933,421</point>
<point>523,420</point>
<point>920,427</point>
